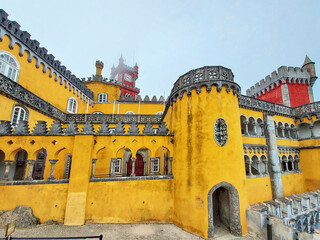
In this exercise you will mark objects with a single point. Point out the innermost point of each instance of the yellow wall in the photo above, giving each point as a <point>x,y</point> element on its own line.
<point>130,201</point>
<point>100,87</point>
<point>259,189</point>
<point>47,201</point>
<point>199,163</point>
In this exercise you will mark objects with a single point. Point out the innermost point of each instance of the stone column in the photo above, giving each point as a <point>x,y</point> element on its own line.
<point>249,162</point>
<point>7,170</point>
<point>94,160</point>
<point>53,163</point>
<point>258,167</point>
<point>30,170</point>
<point>254,128</point>
<point>170,159</point>
<point>286,163</point>
<point>265,162</point>
<point>276,129</point>
<point>246,130</point>
<point>311,127</point>
<point>282,131</point>
<point>262,129</point>
<point>133,167</point>
<point>274,166</point>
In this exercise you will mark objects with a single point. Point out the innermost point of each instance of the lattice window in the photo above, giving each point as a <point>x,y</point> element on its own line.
<point>117,166</point>
<point>221,132</point>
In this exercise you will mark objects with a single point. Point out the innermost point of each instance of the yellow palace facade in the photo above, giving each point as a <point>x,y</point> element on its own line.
<point>92,150</point>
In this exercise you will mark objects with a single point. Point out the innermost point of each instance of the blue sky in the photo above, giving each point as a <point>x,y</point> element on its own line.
<point>169,38</point>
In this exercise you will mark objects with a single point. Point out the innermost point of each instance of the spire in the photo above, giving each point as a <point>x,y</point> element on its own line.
<point>307,60</point>
<point>121,60</point>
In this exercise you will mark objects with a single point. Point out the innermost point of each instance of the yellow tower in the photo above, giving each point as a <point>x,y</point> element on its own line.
<point>208,167</point>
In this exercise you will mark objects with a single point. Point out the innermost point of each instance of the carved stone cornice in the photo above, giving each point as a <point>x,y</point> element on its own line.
<point>264,106</point>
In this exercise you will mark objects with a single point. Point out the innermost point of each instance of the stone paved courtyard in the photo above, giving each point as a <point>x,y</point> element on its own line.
<point>118,231</point>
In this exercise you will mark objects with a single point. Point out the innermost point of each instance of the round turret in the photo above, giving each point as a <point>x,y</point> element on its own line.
<point>208,151</point>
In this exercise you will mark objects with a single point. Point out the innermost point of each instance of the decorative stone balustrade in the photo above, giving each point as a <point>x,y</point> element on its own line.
<point>40,129</point>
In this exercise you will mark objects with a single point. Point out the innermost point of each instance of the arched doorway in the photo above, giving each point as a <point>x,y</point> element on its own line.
<point>20,163</point>
<point>2,165</point>
<point>138,167</point>
<point>223,210</point>
<point>38,169</point>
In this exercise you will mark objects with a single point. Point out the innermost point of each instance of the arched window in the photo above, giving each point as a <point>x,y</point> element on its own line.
<point>18,113</point>
<point>72,105</point>
<point>102,97</point>
<point>159,113</point>
<point>9,66</point>
<point>130,112</point>
<point>97,113</point>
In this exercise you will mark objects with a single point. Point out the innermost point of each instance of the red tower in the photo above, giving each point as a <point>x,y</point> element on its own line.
<point>126,77</point>
<point>288,86</point>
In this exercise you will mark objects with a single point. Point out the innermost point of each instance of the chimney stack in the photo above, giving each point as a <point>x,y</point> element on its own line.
<point>99,66</point>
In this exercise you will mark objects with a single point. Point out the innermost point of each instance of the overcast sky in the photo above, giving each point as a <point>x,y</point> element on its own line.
<point>169,38</point>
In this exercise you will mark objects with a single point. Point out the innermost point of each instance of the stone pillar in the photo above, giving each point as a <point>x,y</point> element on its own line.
<point>282,131</point>
<point>274,166</point>
<point>30,170</point>
<point>94,160</point>
<point>170,159</point>
<point>249,162</point>
<point>53,163</point>
<point>262,129</point>
<point>286,163</point>
<point>258,167</point>
<point>311,127</point>
<point>265,162</point>
<point>7,170</point>
<point>246,130</point>
<point>133,167</point>
<point>276,129</point>
<point>254,128</point>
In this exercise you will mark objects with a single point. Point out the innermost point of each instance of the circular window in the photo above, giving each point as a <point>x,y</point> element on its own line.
<point>221,132</point>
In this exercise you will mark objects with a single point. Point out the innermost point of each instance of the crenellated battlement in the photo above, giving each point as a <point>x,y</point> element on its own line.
<point>284,74</point>
<point>22,38</point>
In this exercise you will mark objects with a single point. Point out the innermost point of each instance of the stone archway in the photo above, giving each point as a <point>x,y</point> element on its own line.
<point>232,209</point>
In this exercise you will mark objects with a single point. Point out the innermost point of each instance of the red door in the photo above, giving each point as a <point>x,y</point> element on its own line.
<point>139,166</point>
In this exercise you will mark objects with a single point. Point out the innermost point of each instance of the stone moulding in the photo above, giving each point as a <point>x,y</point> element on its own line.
<point>113,119</point>
<point>208,76</point>
<point>18,93</point>
<point>22,38</point>
<point>22,129</point>
<point>268,107</point>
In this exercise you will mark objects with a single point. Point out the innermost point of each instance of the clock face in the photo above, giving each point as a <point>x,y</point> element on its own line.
<point>128,77</point>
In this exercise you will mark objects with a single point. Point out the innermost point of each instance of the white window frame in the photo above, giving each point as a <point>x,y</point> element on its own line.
<point>155,166</point>
<point>102,98</point>
<point>129,113</point>
<point>6,68</point>
<point>72,105</point>
<point>159,113</point>
<point>117,164</point>
<point>18,110</point>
